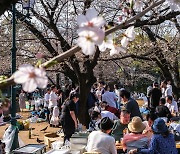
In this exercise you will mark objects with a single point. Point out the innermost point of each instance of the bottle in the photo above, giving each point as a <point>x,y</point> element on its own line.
<point>29,133</point>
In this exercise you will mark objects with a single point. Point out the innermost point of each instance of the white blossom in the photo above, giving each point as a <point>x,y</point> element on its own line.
<point>138,5</point>
<point>90,32</point>
<point>30,77</point>
<point>91,19</point>
<point>115,49</point>
<point>107,43</point>
<point>88,38</point>
<point>129,35</point>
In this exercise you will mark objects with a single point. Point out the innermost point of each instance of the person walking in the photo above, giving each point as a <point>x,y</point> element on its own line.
<point>68,117</point>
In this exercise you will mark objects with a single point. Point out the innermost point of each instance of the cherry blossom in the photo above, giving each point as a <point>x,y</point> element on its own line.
<point>115,49</point>
<point>88,38</point>
<point>90,32</point>
<point>129,35</point>
<point>30,77</point>
<point>107,43</point>
<point>91,19</point>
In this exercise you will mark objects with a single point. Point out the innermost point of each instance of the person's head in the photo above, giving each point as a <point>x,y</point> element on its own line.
<point>74,97</point>
<point>103,104</point>
<point>159,127</point>
<point>106,125</point>
<point>95,115</point>
<point>125,95</point>
<point>101,84</point>
<point>106,88</point>
<point>155,85</point>
<point>116,86</point>
<point>124,117</point>
<point>169,99</point>
<point>136,125</point>
<point>168,81</point>
<point>164,84</point>
<point>53,88</point>
<point>48,90</point>
<point>162,101</point>
<point>151,117</point>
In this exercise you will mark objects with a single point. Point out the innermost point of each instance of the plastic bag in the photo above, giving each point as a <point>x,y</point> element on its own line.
<point>8,138</point>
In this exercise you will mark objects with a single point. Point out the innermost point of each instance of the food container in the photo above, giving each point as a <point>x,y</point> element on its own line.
<point>60,151</point>
<point>31,149</point>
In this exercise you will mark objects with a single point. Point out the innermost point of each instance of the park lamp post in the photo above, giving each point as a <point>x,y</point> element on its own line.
<point>26,5</point>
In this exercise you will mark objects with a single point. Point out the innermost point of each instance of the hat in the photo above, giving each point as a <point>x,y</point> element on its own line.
<point>136,125</point>
<point>159,126</point>
<point>106,123</point>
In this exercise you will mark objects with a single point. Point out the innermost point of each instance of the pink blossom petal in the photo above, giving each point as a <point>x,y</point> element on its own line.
<point>82,20</point>
<point>41,82</point>
<point>91,13</point>
<point>98,22</point>
<point>20,77</point>
<point>124,42</point>
<point>29,86</point>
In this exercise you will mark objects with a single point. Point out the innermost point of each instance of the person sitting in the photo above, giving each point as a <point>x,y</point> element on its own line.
<point>135,139</point>
<point>163,111</point>
<point>151,117</point>
<point>101,141</point>
<point>162,141</point>
<point>104,106</point>
<point>120,125</point>
<point>172,105</point>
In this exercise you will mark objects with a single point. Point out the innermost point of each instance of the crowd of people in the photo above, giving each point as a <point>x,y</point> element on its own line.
<point>115,117</point>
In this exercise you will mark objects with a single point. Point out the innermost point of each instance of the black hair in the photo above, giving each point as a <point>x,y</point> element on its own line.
<point>162,100</point>
<point>125,111</point>
<point>47,89</point>
<point>169,97</point>
<point>155,84</point>
<point>151,116</point>
<point>102,82</point>
<point>104,102</point>
<point>94,115</point>
<point>106,87</point>
<point>52,87</point>
<point>116,86</point>
<point>74,95</point>
<point>125,93</point>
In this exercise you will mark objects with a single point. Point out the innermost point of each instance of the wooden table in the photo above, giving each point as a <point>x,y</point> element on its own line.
<point>119,145</point>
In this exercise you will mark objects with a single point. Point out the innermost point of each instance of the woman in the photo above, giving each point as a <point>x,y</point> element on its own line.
<point>68,117</point>
<point>22,98</point>
<point>162,141</point>
<point>101,141</point>
<point>135,139</point>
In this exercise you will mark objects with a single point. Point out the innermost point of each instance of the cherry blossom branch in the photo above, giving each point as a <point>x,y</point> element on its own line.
<point>75,49</point>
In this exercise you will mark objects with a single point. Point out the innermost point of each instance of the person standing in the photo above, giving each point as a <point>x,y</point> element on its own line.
<point>68,116</point>
<point>154,95</point>
<point>22,99</point>
<point>53,98</point>
<point>130,104</point>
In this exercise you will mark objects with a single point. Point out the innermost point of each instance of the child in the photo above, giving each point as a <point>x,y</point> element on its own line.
<point>55,117</point>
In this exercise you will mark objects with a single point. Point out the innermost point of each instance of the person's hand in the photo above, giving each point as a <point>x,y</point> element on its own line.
<point>132,151</point>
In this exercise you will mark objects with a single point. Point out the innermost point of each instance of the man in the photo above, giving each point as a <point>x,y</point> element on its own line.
<point>68,117</point>
<point>172,105</point>
<point>100,141</point>
<point>109,97</point>
<point>120,125</point>
<point>130,104</point>
<point>46,104</point>
<point>154,95</point>
<point>106,107</point>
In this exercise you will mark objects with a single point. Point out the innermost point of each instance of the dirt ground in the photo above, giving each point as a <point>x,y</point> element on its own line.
<point>36,133</point>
